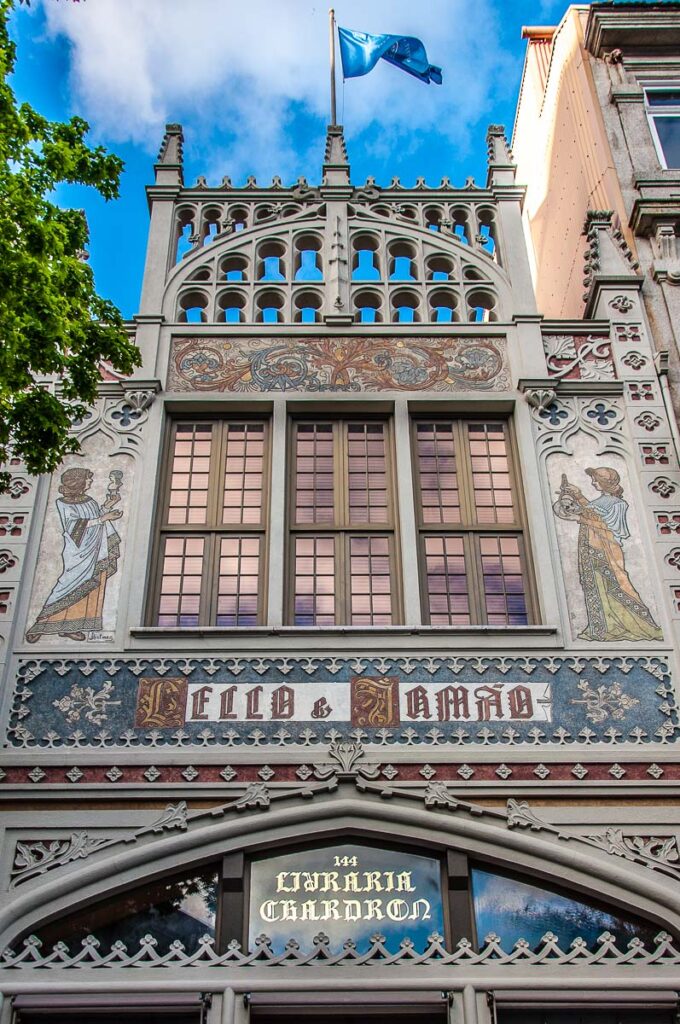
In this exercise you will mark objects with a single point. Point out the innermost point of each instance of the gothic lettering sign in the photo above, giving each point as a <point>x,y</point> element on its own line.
<point>346,892</point>
<point>371,701</point>
<point>396,699</point>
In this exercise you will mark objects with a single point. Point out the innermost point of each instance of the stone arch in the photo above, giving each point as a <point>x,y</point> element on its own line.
<point>486,835</point>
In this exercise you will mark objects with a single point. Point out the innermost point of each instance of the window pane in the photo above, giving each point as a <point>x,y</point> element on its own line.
<point>436,456</point>
<point>314,466</point>
<point>514,909</point>
<point>504,593</point>
<point>244,473</point>
<point>668,130</point>
<point>446,581</point>
<point>314,591</point>
<point>369,568</point>
<point>180,591</point>
<point>367,473</point>
<point>663,98</point>
<point>490,473</point>
<point>190,471</point>
<point>182,908</point>
<point>238,582</point>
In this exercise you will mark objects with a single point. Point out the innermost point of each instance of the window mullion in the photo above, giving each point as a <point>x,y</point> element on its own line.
<point>475,578</point>
<point>464,473</point>
<point>217,470</point>
<point>275,522</point>
<point>404,499</point>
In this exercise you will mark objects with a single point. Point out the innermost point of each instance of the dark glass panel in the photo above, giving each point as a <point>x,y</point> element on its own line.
<point>668,130</point>
<point>663,98</point>
<point>181,907</point>
<point>515,910</point>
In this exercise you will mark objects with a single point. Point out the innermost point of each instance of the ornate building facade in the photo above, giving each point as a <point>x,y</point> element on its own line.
<point>340,665</point>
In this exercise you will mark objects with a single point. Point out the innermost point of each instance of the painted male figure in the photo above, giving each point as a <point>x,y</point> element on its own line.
<point>89,555</point>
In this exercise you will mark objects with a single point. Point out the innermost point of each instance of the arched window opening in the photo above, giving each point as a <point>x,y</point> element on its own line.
<point>231,306</point>
<point>367,307</point>
<point>192,308</point>
<point>180,907</point>
<point>270,308</point>
<point>433,218</point>
<point>439,268</point>
<point>308,259</point>
<point>238,217</point>
<point>443,306</point>
<point>307,307</point>
<point>365,262</point>
<point>405,888</point>
<point>461,226</point>
<point>486,240</point>
<point>482,306</point>
<point>514,907</point>
<point>235,268</point>
<point>405,307</point>
<point>402,262</point>
<point>185,233</point>
<point>263,213</point>
<point>270,264</point>
<point>211,225</point>
<point>487,236</point>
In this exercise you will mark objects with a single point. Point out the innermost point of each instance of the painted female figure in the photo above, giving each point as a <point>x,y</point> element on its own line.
<point>615,609</point>
<point>89,555</point>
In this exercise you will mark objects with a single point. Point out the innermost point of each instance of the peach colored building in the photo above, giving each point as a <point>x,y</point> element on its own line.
<point>598,129</point>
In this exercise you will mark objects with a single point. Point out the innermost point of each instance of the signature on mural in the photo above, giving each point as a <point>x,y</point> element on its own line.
<point>91,547</point>
<point>614,608</point>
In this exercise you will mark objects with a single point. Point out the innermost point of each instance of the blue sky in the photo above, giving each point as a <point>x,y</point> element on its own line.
<point>249,83</point>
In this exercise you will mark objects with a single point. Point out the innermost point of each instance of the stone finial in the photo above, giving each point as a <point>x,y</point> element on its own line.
<point>335,164</point>
<point>500,160</point>
<point>498,147</point>
<point>171,146</point>
<point>169,166</point>
<point>607,253</point>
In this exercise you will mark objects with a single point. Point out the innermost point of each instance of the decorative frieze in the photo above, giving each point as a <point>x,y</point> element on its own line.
<point>338,364</point>
<point>283,701</point>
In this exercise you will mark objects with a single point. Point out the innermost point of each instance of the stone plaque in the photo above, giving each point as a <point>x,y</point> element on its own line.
<point>345,892</point>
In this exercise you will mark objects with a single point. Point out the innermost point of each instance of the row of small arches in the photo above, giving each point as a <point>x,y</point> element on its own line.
<point>200,227</point>
<point>468,224</point>
<point>398,262</point>
<point>370,306</point>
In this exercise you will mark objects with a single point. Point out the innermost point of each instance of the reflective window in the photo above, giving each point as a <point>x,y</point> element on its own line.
<point>472,550</point>
<point>663,111</point>
<point>211,545</point>
<point>182,908</point>
<point>515,909</point>
<point>342,524</point>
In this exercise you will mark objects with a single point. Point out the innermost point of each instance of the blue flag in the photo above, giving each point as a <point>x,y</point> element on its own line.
<point>360,52</point>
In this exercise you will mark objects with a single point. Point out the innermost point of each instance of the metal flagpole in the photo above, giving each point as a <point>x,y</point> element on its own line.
<point>331,39</point>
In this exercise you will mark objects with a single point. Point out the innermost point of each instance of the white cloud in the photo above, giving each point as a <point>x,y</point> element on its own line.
<point>244,69</point>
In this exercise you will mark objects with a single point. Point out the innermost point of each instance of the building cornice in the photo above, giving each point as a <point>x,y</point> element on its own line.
<point>632,27</point>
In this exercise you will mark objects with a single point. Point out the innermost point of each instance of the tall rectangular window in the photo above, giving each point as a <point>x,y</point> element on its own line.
<point>662,105</point>
<point>213,528</point>
<point>342,543</point>
<point>471,531</point>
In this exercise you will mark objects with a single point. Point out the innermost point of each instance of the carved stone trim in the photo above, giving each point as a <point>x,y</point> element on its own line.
<point>548,954</point>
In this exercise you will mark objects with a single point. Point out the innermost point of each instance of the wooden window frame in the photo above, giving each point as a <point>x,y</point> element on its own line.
<point>213,530</point>
<point>343,529</point>
<point>468,529</point>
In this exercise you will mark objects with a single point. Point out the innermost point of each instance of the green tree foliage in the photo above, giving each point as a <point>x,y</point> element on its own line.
<point>54,328</point>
